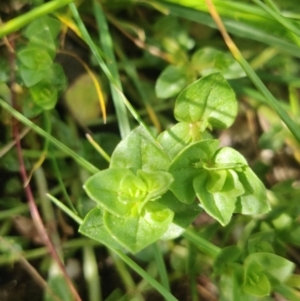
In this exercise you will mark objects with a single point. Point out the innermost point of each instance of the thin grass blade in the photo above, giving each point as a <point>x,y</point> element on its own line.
<point>107,46</point>
<point>240,19</point>
<point>19,22</point>
<point>80,160</point>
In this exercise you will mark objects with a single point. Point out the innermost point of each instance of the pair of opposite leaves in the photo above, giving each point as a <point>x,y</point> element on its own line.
<point>220,178</point>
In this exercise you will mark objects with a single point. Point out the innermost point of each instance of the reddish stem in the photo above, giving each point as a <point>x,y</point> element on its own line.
<point>28,192</point>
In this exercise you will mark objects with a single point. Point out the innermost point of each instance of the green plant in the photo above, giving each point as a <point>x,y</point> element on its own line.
<point>43,78</point>
<point>148,177</point>
<point>149,190</point>
<point>145,200</point>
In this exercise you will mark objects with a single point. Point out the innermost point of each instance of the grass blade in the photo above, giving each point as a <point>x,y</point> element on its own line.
<point>288,292</point>
<point>133,75</point>
<point>161,266</point>
<point>202,244</point>
<point>80,160</point>
<point>91,275</point>
<point>95,50</point>
<point>107,45</point>
<point>283,21</point>
<point>269,98</point>
<point>167,295</point>
<point>254,24</point>
<point>18,22</point>
<point>65,209</point>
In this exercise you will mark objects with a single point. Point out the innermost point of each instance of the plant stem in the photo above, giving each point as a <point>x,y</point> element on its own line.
<point>202,244</point>
<point>167,295</point>
<point>34,212</point>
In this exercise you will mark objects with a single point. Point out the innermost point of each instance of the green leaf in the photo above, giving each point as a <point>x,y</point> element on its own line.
<point>222,175</point>
<point>139,150</point>
<point>221,179</point>
<point>171,81</point>
<point>30,76</point>
<point>225,257</point>
<point>131,189</point>
<point>261,269</point>
<point>254,200</point>
<point>260,35</point>
<point>174,36</point>
<point>44,95</point>
<point>209,100</point>
<point>231,285</point>
<point>121,192</point>
<point>226,182</point>
<point>257,284</point>
<point>233,186</point>
<point>231,281</point>
<point>30,108</point>
<point>209,60</point>
<point>54,76</point>
<point>179,136</point>
<point>173,232</point>
<point>42,32</point>
<point>219,205</point>
<point>156,182</point>
<point>184,214</point>
<point>35,58</point>
<point>184,169</point>
<point>45,23</point>
<point>216,180</point>
<point>137,232</point>
<point>261,242</point>
<point>227,157</point>
<point>104,188</point>
<point>94,228</point>
<point>242,182</point>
